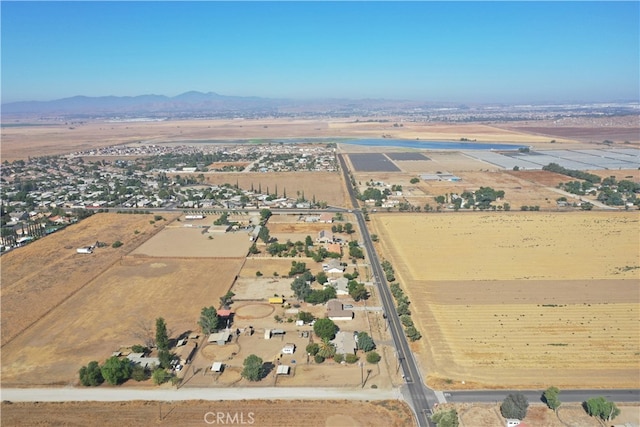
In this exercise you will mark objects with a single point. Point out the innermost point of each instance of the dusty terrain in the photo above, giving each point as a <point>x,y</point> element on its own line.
<point>86,317</point>
<point>41,275</point>
<point>191,413</point>
<point>520,300</point>
<point>65,137</point>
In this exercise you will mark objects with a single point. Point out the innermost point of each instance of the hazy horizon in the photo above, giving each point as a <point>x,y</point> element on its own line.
<point>439,52</point>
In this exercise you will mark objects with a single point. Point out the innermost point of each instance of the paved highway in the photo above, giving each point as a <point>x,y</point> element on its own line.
<point>422,399</point>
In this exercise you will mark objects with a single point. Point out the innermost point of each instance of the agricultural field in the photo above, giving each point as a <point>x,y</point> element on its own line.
<point>520,300</point>
<point>191,413</point>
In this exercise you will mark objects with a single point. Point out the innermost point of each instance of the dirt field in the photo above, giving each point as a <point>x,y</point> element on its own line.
<point>307,413</point>
<point>43,274</point>
<point>190,242</point>
<point>522,308</point>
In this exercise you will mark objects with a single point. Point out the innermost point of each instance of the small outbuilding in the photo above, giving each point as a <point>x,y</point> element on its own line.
<point>289,348</point>
<point>220,338</point>
<point>217,367</point>
<point>283,370</point>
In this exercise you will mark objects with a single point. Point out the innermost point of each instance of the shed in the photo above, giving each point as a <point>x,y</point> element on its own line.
<point>220,338</point>
<point>224,313</point>
<point>276,300</point>
<point>267,334</point>
<point>283,370</point>
<point>217,367</point>
<point>289,348</point>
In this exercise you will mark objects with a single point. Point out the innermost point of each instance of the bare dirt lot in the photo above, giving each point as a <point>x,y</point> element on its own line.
<point>522,299</point>
<point>43,274</point>
<point>321,413</point>
<point>179,241</point>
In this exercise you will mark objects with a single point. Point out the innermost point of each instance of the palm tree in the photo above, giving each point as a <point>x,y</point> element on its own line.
<point>327,349</point>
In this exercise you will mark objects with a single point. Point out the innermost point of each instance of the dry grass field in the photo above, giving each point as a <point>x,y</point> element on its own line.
<point>67,309</point>
<point>325,186</point>
<point>41,275</point>
<point>521,300</point>
<point>276,413</point>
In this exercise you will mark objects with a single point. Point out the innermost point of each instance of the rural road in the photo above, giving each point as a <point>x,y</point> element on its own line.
<point>535,396</point>
<point>118,394</point>
<point>420,398</point>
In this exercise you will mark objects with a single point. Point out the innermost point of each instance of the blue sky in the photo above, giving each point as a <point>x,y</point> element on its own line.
<point>430,51</point>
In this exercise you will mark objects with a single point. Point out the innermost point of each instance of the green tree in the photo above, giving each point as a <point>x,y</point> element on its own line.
<point>165,358</point>
<point>414,180</point>
<point>91,375</point>
<point>308,241</point>
<point>365,342</point>
<point>253,368</point>
<point>322,278</point>
<point>515,406</point>
<point>318,358</point>
<point>162,337</point>
<point>227,298</point>
<point>446,418</point>
<point>602,408</point>
<point>348,228</point>
<point>325,328</point>
<point>305,316</point>
<point>301,288</point>
<point>208,320</point>
<point>413,334</point>
<point>160,376</point>
<point>116,244</point>
<point>263,234</point>
<point>373,357</point>
<point>116,370</point>
<point>357,291</point>
<point>312,348</point>
<point>551,398</point>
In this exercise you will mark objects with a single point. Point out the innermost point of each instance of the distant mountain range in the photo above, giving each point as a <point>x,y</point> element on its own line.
<point>192,102</point>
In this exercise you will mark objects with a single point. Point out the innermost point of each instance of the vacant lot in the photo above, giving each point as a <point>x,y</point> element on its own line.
<point>195,243</point>
<point>110,312</point>
<point>520,299</point>
<point>43,274</point>
<point>308,413</point>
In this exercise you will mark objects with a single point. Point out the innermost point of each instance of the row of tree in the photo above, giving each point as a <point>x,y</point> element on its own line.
<point>515,406</point>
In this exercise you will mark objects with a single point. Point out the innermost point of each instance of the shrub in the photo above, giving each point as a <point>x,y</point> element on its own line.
<point>139,348</point>
<point>351,358</point>
<point>373,357</point>
<point>160,376</point>
<point>117,244</point>
<point>318,358</point>
<point>138,373</point>
<point>338,358</point>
